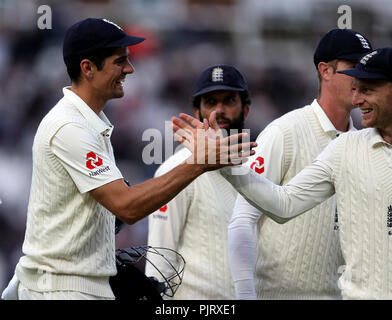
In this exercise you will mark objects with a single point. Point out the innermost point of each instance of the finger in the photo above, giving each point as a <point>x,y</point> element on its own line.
<point>175,127</point>
<point>205,124</point>
<point>234,138</point>
<point>185,133</point>
<point>182,140</point>
<point>241,147</point>
<point>180,124</point>
<point>212,120</point>
<point>191,120</point>
<point>241,155</point>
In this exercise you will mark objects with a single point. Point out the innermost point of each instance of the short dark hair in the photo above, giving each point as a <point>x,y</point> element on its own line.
<point>97,57</point>
<point>244,96</point>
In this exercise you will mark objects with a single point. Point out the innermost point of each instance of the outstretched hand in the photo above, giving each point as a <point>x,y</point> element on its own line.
<point>207,143</point>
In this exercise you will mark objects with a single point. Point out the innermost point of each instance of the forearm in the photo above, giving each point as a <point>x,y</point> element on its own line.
<point>131,204</point>
<point>146,197</point>
<point>282,203</point>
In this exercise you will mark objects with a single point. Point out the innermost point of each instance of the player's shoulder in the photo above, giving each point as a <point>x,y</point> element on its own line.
<point>292,118</point>
<point>285,123</point>
<point>356,134</point>
<point>63,112</point>
<point>173,161</point>
<point>362,132</point>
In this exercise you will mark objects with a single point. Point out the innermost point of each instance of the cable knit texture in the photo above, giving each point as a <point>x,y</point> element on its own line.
<point>69,241</point>
<point>362,178</point>
<point>303,255</point>
<point>203,239</point>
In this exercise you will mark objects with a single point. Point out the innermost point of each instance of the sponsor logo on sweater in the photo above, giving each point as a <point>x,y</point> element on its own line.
<point>163,209</point>
<point>99,171</point>
<point>159,215</point>
<point>258,165</point>
<point>93,161</point>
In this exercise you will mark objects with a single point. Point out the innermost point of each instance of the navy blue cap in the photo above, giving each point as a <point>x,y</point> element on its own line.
<point>91,34</point>
<point>374,65</point>
<point>344,44</point>
<point>220,77</point>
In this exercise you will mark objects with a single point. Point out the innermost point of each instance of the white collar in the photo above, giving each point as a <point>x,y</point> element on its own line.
<point>99,122</point>
<point>326,124</point>
<point>376,138</point>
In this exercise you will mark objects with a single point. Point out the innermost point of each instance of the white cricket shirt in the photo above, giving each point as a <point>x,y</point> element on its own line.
<point>298,260</point>
<point>357,166</point>
<point>69,242</point>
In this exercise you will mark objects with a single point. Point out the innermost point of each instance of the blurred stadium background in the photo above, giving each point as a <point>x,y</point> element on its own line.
<point>271,42</point>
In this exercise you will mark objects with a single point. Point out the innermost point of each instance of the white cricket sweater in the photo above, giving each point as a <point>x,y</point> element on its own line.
<point>300,259</point>
<point>195,224</point>
<point>69,242</point>
<point>362,175</point>
<point>357,166</point>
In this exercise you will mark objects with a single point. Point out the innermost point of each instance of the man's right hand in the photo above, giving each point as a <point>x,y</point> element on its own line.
<point>210,149</point>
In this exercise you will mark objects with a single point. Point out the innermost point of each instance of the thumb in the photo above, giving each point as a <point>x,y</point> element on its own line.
<point>213,122</point>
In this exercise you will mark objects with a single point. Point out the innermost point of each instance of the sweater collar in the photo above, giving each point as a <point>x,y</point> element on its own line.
<point>326,124</point>
<point>376,138</point>
<point>99,122</point>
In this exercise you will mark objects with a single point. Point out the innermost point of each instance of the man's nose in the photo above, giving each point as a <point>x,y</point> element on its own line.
<point>357,98</point>
<point>129,68</point>
<point>220,108</point>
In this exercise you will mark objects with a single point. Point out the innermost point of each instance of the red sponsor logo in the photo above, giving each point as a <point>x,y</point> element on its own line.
<point>163,209</point>
<point>93,161</point>
<point>258,165</point>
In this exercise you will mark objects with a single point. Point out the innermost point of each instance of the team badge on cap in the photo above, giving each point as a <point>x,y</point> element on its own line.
<point>366,58</point>
<point>217,74</point>
<point>364,42</point>
<point>111,22</point>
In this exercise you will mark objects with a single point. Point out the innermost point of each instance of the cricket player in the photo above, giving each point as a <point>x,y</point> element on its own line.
<point>195,222</point>
<point>77,189</point>
<point>298,260</point>
<point>356,167</point>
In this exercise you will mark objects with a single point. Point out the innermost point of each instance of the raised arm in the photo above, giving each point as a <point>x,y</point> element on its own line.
<point>131,204</point>
<point>307,189</point>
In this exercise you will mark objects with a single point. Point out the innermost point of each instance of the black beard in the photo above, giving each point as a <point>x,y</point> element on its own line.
<point>236,124</point>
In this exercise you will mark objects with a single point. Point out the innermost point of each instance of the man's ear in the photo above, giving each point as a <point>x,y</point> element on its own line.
<point>325,70</point>
<point>87,68</point>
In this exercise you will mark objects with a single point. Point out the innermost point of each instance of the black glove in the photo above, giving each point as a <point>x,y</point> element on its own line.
<point>130,283</point>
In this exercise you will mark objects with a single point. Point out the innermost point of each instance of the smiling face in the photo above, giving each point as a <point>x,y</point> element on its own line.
<point>374,98</point>
<point>108,81</point>
<point>230,114</point>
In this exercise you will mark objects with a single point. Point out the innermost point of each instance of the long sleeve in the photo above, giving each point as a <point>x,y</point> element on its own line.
<point>308,188</point>
<point>242,247</point>
<point>267,161</point>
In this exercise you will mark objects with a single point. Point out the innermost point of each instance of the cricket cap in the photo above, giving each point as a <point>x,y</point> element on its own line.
<point>220,77</point>
<point>91,34</point>
<point>374,65</point>
<point>344,44</point>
